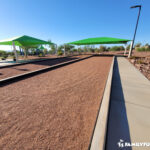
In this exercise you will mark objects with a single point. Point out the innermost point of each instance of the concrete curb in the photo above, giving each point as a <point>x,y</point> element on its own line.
<point>99,135</point>
<point>12,79</point>
<point>36,60</point>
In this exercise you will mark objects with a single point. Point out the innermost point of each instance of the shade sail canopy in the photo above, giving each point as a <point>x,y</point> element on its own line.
<point>100,40</point>
<point>24,41</point>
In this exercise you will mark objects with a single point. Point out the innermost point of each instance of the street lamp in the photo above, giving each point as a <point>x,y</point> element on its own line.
<point>132,44</point>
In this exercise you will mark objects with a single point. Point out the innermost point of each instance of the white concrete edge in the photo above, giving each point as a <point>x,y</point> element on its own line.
<point>32,61</point>
<point>99,136</point>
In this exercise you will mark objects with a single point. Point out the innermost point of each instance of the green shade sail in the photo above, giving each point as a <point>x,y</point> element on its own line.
<point>24,40</point>
<point>100,40</point>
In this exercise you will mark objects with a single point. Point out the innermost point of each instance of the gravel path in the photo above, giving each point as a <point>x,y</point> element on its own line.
<point>55,110</point>
<point>12,71</point>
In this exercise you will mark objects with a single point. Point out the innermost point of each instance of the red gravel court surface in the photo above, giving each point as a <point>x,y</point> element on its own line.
<point>55,110</point>
<point>16,70</point>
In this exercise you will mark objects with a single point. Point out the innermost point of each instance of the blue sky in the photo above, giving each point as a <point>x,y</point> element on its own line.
<point>63,21</point>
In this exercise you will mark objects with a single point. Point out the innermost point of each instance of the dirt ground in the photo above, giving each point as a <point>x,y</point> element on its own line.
<point>141,54</point>
<point>55,110</point>
<point>135,53</point>
<point>113,53</point>
<point>141,60</point>
<point>142,64</point>
<point>12,71</point>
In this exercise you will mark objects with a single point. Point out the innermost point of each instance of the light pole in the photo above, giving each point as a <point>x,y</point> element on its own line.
<point>131,48</point>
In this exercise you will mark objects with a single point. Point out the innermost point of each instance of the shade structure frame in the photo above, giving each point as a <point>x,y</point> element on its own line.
<point>23,41</point>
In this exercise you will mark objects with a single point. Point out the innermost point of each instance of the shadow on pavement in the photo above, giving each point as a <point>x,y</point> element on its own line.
<point>117,128</point>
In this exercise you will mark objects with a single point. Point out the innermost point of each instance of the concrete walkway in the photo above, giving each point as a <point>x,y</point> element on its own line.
<point>129,116</point>
<point>5,62</point>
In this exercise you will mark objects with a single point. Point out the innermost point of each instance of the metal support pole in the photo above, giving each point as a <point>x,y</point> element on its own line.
<point>15,52</point>
<point>56,49</point>
<point>64,50</point>
<point>125,49</point>
<point>139,6</point>
<point>20,51</point>
<point>130,51</point>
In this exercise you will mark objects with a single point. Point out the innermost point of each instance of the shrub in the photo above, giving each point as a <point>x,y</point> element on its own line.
<point>142,49</point>
<point>132,57</point>
<point>140,61</point>
<point>59,52</point>
<point>138,45</point>
<point>115,48</point>
<point>74,50</point>
<point>103,48</point>
<point>97,50</point>
<point>121,48</point>
<point>4,56</point>
<point>128,47</point>
<point>45,51</point>
<point>41,55</point>
<point>92,50</point>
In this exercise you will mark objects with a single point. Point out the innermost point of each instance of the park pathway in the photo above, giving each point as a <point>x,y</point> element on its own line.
<point>129,108</point>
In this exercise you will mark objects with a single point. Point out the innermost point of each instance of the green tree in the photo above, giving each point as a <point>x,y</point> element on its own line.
<point>85,49</point>
<point>27,49</point>
<point>97,50</point>
<point>61,47</point>
<point>147,44</point>
<point>103,48</point>
<point>59,52</point>
<point>116,48</point>
<point>45,51</point>
<point>74,50</point>
<point>138,45</point>
<point>79,50</point>
<point>68,48</point>
<point>53,49</point>
<point>92,50</point>
<point>3,54</point>
<point>121,48</point>
<point>128,47</point>
<point>32,51</point>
